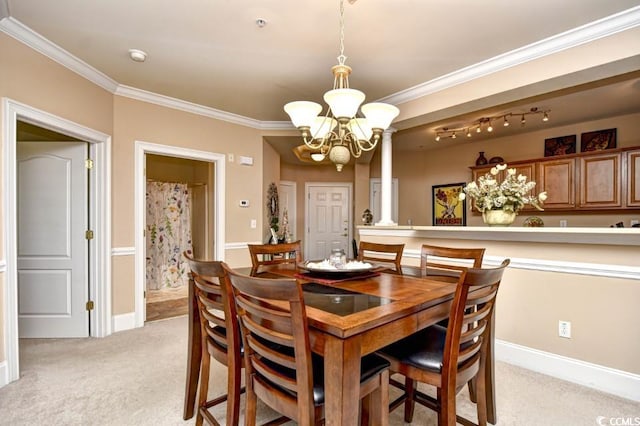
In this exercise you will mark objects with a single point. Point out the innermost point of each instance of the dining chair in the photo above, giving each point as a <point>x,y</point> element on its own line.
<point>220,336</point>
<point>280,368</point>
<point>265,255</point>
<point>448,358</point>
<point>436,261</point>
<point>382,254</point>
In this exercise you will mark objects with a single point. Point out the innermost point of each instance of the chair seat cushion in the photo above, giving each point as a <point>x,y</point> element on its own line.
<point>422,350</point>
<point>370,366</point>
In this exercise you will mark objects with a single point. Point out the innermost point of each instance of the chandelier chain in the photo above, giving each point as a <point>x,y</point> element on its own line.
<point>341,57</point>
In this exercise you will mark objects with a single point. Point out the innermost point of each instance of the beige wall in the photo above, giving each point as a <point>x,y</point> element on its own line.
<point>140,121</point>
<point>304,174</point>
<point>418,171</point>
<point>531,302</point>
<point>30,78</point>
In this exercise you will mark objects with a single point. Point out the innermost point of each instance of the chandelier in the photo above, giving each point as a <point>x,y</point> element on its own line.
<point>340,133</point>
<point>486,123</point>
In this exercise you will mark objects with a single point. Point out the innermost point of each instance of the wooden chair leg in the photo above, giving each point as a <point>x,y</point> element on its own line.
<point>233,396</point>
<point>447,413</point>
<point>365,410</point>
<point>251,408</point>
<point>410,402</point>
<point>204,387</point>
<point>194,357</point>
<point>481,388</point>
<point>472,390</point>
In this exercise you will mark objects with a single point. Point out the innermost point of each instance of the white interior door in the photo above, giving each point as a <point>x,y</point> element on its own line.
<point>375,199</point>
<point>52,249</point>
<point>328,219</point>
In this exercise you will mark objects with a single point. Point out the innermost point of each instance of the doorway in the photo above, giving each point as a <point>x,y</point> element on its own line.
<point>99,275</point>
<point>216,204</point>
<point>328,219</point>
<point>53,251</point>
<point>178,219</point>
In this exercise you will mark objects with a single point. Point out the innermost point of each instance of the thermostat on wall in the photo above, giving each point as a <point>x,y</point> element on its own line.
<point>247,161</point>
<point>244,203</point>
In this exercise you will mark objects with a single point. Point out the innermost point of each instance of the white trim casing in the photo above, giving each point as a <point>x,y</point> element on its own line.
<point>4,374</point>
<point>579,268</point>
<point>141,149</point>
<point>605,379</point>
<point>124,322</point>
<point>100,217</point>
<point>123,251</point>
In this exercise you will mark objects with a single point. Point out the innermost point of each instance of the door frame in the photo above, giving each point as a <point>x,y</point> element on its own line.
<point>141,149</point>
<point>100,217</point>
<point>349,187</point>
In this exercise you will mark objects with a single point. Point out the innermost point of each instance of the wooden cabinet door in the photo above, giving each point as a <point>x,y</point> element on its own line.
<point>528,170</point>
<point>600,181</point>
<point>633,178</point>
<point>557,178</point>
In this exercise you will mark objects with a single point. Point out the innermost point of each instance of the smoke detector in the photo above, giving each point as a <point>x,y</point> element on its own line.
<point>137,55</point>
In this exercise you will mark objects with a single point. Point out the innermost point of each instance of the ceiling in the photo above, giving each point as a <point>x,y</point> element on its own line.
<point>213,53</point>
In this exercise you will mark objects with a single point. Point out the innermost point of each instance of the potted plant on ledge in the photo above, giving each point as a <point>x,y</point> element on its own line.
<point>500,202</point>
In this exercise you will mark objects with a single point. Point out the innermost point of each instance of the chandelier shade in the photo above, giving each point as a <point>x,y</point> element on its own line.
<point>380,115</point>
<point>303,113</point>
<point>344,102</point>
<point>346,129</point>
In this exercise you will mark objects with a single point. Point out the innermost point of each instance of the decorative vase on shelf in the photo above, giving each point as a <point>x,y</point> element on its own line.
<point>498,217</point>
<point>482,160</point>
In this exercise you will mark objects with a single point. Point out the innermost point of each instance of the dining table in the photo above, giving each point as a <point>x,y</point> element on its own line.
<point>350,316</point>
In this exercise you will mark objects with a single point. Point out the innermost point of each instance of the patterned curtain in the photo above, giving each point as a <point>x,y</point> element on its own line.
<point>168,234</point>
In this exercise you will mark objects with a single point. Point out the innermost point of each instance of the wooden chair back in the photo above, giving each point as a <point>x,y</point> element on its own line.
<point>220,334</point>
<point>385,254</point>
<point>434,260</point>
<point>467,333</point>
<point>277,350</point>
<point>265,255</point>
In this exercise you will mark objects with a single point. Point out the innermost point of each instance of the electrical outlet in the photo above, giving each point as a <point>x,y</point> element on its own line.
<point>563,224</point>
<point>564,329</point>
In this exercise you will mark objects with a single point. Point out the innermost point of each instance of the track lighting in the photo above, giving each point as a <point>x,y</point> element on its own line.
<point>448,132</point>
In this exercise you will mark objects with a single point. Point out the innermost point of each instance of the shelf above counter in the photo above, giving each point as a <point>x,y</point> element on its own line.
<point>578,235</point>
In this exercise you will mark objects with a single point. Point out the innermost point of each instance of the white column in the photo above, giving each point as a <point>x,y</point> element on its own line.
<point>385,180</point>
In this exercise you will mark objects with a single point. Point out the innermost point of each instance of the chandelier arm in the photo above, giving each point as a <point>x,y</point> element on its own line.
<point>318,144</point>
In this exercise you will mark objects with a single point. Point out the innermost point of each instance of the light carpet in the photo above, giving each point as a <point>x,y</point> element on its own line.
<point>136,377</point>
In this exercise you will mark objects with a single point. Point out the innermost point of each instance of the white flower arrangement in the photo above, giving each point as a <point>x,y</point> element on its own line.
<point>512,194</point>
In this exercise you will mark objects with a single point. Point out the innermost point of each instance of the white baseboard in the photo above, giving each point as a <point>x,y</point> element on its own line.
<point>123,322</point>
<point>4,374</point>
<point>605,379</point>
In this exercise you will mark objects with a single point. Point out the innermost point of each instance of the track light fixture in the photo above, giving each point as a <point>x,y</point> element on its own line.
<point>447,132</point>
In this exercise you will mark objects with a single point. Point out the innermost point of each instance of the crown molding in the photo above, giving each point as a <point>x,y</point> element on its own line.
<point>169,102</point>
<point>592,31</point>
<point>26,35</point>
<point>4,9</point>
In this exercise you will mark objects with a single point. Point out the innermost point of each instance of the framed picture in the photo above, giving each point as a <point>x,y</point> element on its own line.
<point>598,140</point>
<point>560,145</point>
<point>448,209</point>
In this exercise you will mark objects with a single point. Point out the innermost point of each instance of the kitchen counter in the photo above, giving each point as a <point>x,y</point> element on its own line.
<point>600,236</point>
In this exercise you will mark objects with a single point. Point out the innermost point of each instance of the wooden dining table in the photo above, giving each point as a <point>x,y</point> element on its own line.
<point>349,319</point>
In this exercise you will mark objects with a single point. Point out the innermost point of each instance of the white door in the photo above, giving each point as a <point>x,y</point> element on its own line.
<point>287,199</point>
<point>374,196</point>
<point>328,219</point>
<point>52,248</point>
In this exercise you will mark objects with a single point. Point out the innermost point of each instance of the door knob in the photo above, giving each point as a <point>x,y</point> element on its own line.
<point>345,235</point>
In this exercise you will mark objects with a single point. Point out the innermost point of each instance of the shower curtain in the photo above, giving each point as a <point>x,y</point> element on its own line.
<point>168,234</point>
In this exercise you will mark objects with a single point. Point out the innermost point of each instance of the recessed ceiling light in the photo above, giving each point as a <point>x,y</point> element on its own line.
<point>137,55</point>
<point>261,22</point>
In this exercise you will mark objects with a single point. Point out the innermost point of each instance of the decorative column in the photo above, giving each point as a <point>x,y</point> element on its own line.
<point>385,180</point>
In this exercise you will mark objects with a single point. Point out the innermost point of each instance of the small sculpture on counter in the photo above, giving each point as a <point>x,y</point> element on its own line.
<point>286,235</point>
<point>367,217</point>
